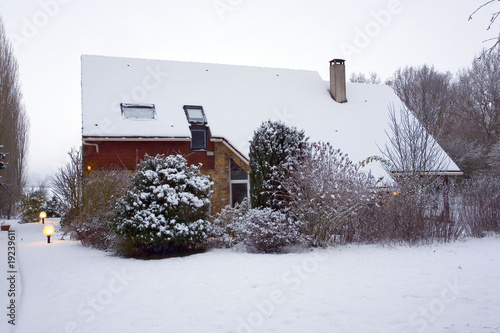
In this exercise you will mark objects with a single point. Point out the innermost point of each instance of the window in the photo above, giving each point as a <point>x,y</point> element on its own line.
<point>195,114</point>
<point>138,111</point>
<point>239,187</point>
<point>198,126</point>
<point>198,138</point>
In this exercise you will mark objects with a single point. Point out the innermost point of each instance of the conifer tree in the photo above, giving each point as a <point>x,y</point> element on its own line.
<point>3,165</point>
<point>166,209</point>
<point>272,151</point>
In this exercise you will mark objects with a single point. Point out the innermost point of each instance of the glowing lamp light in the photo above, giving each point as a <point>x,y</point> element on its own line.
<point>43,215</point>
<point>395,193</point>
<point>48,231</point>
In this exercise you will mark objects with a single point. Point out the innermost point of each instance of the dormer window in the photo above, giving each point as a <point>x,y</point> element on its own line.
<point>198,126</point>
<point>199,138</point>
<point>138,111</point>
<point>195,114</point>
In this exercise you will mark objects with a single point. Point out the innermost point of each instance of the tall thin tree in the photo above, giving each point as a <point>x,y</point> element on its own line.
<point>13,128</point>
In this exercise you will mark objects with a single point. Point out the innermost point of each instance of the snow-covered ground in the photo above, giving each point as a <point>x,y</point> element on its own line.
<point>65,287</point>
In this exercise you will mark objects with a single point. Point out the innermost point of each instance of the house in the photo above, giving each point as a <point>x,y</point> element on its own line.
<point>208,113</point>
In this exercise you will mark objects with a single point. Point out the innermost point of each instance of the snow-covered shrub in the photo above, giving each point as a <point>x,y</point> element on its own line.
<point>221,234</point>
<point>94,230</point>
<point>272,150</point>
<point>260,230</point>
<point>328,192</point>
<point>264,230</point>
<point>166,209</point>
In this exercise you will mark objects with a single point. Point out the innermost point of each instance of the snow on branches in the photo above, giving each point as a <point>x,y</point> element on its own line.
<point>272,150</point>
<point>326,190</point>
<point>167,207</point>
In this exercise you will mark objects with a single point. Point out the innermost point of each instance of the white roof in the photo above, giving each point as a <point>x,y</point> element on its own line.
<point>236,100</point>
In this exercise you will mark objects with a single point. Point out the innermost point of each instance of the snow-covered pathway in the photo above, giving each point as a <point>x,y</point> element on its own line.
<point>69,288</point>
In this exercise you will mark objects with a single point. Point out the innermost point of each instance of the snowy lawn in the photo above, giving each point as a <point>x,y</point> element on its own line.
<point>65,287</point>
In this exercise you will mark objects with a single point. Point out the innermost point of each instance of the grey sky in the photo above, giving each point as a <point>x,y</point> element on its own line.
<point>376,35</point>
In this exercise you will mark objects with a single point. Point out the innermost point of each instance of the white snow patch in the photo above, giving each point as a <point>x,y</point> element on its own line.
<point>65,287</point>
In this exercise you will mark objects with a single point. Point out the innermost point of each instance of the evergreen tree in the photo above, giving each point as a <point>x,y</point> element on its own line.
<point>32,204</point>
<point>166,209</point>
<point>272,151</point>
<point>3,165</point>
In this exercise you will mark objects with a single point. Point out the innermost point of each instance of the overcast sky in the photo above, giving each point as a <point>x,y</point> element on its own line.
<point>49,37</point>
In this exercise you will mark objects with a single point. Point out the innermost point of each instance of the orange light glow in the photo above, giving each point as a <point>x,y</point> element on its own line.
<point>48,230</point>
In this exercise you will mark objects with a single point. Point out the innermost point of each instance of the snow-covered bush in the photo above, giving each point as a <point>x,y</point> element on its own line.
<point>328,192</point>
<point>221,234</point>
<point>264,230</point>
<point>272,150</point>
<point>166,209</point>
<point>260,230</point>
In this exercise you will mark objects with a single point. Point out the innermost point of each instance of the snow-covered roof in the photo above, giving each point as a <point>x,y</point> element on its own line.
<point>236,100</point>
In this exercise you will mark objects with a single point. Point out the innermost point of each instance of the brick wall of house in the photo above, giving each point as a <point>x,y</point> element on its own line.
<point>220,175</point>
<point>128,153</point>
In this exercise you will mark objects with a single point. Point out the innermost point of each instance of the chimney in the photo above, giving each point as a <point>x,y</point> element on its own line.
<point>337,80</point>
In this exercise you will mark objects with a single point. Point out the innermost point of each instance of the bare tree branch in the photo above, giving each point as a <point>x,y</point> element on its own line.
<point>494,17</point>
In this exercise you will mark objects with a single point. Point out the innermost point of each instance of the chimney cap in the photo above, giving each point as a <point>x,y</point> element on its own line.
<point>337,61</point>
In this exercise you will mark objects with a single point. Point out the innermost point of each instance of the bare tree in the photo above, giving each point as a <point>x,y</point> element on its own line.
<point>494,17</point>
<point>427,93</point>
<point>372,78</point>
<point>411,149</point>
<point>474,122</point>
<point>13,128</point>
<point>421,207</point>
<point>68,186</point>
<point>479,98</point>
<point>494,158</point>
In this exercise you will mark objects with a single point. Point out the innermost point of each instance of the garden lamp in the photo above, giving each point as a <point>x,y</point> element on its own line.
<point>48,231</point>
<point>43,215</point>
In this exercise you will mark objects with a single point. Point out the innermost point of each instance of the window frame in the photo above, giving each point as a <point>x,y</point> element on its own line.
<point>196,125</point>
<point>125,106</point>
<point>205,141</point>
<point>237,181</point>
<point>195,107</point>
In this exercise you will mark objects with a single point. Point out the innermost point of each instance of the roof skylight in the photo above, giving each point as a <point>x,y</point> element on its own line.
<point>195,114</point>
<point>138,111</point>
